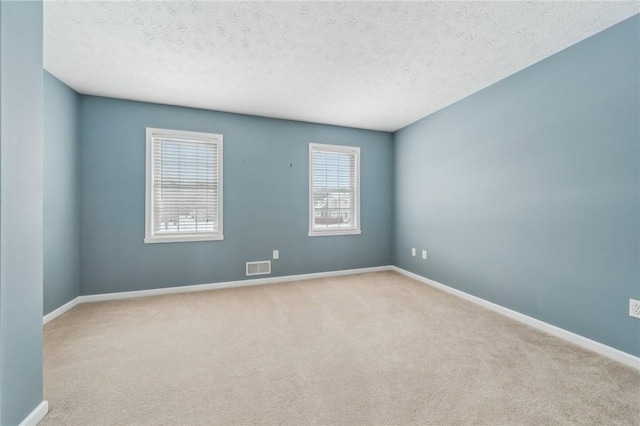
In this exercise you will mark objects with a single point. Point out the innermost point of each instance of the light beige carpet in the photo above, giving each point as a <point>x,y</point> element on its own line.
<point>376,349</point>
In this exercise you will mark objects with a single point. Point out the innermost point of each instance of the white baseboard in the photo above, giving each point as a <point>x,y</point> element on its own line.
<point>600,348</point>
<point>36,415</point>
<point>61,310</point>
<point>592,345</point>
<point>229,284</point>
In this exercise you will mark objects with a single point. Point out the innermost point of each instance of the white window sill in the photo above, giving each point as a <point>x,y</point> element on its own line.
<point>333,233</point>
<point>183,239</point>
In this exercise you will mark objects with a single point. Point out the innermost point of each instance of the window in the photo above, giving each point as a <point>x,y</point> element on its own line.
<point>184,186</point>
<point>334,190</point>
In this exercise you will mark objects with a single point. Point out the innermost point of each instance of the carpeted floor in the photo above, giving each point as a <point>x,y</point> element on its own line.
<point>376,349</point>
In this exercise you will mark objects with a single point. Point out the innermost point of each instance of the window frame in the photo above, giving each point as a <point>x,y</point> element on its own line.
<point>343,149</point>
<point>154,133</point>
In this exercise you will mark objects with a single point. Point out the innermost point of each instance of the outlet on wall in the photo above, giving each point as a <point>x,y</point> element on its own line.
<point>413,252</point>
<point>634,308</point>
<point>276,254</point>
<point>424,254</point>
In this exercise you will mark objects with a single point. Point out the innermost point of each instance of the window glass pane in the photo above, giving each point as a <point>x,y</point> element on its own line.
<point>185,185</point>
<point>334,189</point>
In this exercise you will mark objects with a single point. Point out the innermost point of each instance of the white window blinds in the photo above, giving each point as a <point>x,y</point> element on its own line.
<point>334,190</point>
<point>184,186</point>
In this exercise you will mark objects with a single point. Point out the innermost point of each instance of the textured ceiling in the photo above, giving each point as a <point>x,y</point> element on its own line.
<point>372,65</point>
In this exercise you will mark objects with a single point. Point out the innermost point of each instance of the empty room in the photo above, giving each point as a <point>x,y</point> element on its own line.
<point>327,213</point>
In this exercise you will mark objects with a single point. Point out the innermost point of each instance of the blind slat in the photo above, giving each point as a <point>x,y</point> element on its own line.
<point>335,203</point>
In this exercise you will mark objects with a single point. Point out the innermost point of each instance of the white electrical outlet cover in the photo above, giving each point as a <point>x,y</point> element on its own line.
<point>276,254</point>
<point>413,252</point>
<point>634,308</point>
<point>424,254</point>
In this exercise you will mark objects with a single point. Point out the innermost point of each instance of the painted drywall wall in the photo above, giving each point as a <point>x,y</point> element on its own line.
<point>61,210</point>
<point>526,193</point>
<point>20,209</point>
<point>266,189</point>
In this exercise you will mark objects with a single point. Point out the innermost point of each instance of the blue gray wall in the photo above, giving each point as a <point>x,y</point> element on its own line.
<point>61,220</point>
<point>266,190</point>
<point>526,193</point>
<point>20,209</point>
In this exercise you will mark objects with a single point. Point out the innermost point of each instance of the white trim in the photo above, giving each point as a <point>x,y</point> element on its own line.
<point>184,238</point>
<point>229,284</point>
<point>61,310</point>
<point>212,138</point>
<point>599,348</point>
<point>204,287</point>
<point>343,149</point>
<point>36,415</point>
<point>330,233</point>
